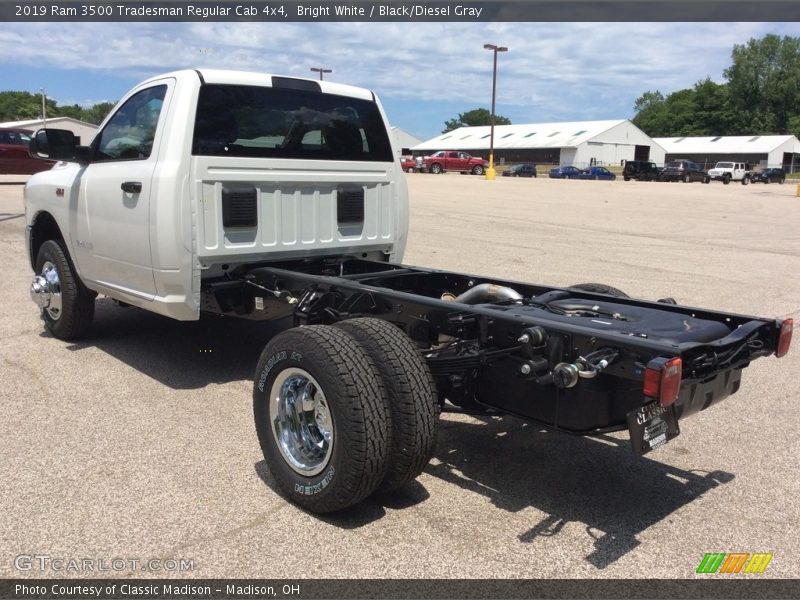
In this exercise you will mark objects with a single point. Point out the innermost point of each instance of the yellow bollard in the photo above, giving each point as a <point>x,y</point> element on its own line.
<point>797,193</point>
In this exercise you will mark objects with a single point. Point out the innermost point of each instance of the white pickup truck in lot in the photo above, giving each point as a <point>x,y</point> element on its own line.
<point>275,198</point>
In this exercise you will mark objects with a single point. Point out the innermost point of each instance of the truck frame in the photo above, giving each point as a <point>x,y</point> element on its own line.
<point>346,398</point>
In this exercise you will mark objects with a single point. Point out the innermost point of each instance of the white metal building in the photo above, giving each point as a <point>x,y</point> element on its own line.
<point>404,139</point>
<point>762,150</point>
<point>578,143</point>
<point>84,131</point>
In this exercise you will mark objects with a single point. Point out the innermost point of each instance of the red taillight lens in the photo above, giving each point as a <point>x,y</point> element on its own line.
<point>785,337</point>
<point>662,380</point>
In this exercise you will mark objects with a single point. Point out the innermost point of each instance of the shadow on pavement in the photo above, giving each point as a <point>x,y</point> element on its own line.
<point>599,481</point>
<point>364,513</point>
<point>179,354</point>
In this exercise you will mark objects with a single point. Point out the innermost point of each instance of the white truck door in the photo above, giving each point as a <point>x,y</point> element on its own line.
<point>113,219</point>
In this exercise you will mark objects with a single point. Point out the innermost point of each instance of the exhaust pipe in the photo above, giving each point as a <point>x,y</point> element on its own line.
<point>488,292</point>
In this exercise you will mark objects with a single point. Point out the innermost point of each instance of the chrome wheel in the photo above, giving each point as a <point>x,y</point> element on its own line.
<point>302,423</point>
<point>46,291</point>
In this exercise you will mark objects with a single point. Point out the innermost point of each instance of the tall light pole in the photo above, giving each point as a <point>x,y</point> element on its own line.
<point>320,70</point>
<point>490,173</point>
<point>44,110</point>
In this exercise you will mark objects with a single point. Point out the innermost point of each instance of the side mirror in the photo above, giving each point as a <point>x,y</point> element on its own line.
<point>57,144</point>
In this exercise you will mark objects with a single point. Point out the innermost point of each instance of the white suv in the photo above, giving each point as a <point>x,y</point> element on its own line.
<point>730,171</point>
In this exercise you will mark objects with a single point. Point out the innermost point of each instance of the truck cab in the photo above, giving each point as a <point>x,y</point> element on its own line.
<point>197,172</point>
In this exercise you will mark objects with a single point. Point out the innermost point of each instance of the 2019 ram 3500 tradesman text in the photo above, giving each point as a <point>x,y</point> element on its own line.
<point>267,197</point>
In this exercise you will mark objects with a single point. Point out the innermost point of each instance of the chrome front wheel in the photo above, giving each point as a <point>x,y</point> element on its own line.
<point>46,290</point>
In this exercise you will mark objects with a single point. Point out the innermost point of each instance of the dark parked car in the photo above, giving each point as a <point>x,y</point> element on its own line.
<point>565,173</point>
<point>523,170</point>
<point>597,173</point>
<point>14,157</point>
<point>640,170</point>
<point>684,170</point>
<point>769,176</point>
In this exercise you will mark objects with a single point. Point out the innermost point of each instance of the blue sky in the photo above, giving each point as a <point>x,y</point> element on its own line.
<point>425,73</point>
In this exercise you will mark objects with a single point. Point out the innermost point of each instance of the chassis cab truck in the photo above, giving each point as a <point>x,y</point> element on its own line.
<point>274,198</point>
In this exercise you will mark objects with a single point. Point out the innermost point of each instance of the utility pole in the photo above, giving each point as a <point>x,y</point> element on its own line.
<point>490,172</point>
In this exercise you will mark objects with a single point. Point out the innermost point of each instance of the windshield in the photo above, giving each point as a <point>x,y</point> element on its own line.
<point>237,120</point>
<point>724,165</point>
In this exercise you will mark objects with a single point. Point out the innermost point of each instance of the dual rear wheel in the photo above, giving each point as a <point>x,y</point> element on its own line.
<point>344,411</point>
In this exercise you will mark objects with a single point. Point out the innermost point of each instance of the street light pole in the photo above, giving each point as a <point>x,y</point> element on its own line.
<point>44,110</point>
<point>320,70</point>
<point>490,172</point>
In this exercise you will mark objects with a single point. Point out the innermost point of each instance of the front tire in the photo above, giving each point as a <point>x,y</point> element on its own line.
<point>687,178</point>
<point>67,305</point>
<point>436,168</point>
<point>412,396</point>
<point>322,417</point>
<point>477,170</point>
<point>599,288</point>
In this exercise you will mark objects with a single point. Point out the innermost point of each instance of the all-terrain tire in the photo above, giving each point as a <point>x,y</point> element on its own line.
<point>412,396</point>
<point>356,413</point>
<point>599,288</point>
<point>77,302</point>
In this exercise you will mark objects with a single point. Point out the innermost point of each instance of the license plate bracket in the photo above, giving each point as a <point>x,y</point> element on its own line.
<point>651,426</point>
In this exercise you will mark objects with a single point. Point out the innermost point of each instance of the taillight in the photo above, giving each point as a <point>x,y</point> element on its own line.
<point>662,380</point>
<point>785,337</point>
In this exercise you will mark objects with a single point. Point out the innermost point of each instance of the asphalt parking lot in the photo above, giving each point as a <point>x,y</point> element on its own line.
<point>138,442</point>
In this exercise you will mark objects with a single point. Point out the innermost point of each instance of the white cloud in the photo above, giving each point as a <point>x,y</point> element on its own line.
<point>557,70</point>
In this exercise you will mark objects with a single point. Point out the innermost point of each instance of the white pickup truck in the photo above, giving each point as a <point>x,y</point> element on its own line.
<point>274,198</point>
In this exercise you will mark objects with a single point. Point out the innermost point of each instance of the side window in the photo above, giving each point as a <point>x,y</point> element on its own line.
<point>130,133</point>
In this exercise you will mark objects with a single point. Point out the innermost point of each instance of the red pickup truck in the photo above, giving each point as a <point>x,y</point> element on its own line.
<point>451,160</point>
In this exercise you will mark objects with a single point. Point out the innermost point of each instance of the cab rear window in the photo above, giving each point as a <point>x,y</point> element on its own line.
<point>234,120</point>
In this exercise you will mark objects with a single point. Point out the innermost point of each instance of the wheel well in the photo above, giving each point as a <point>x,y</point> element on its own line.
<point>44,228</point>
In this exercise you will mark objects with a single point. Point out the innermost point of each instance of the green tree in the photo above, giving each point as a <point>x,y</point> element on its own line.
<point>21,106</point>
<point>476,116</point>
<point>18,106</point>
<point>713,114</point>
<point>764,83</point>
<point>651,113</point>
<point>98,112</point>
<point>761,96</point>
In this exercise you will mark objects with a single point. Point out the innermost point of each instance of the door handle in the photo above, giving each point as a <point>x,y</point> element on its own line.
<point>132,187</point>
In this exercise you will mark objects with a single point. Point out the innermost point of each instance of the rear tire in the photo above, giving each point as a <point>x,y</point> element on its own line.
<point>687,178</point>
<point>412,396</point>
<point>322,417</point>
<point>71,310</point>
<point>599,288</point>
<point>745,180</point>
